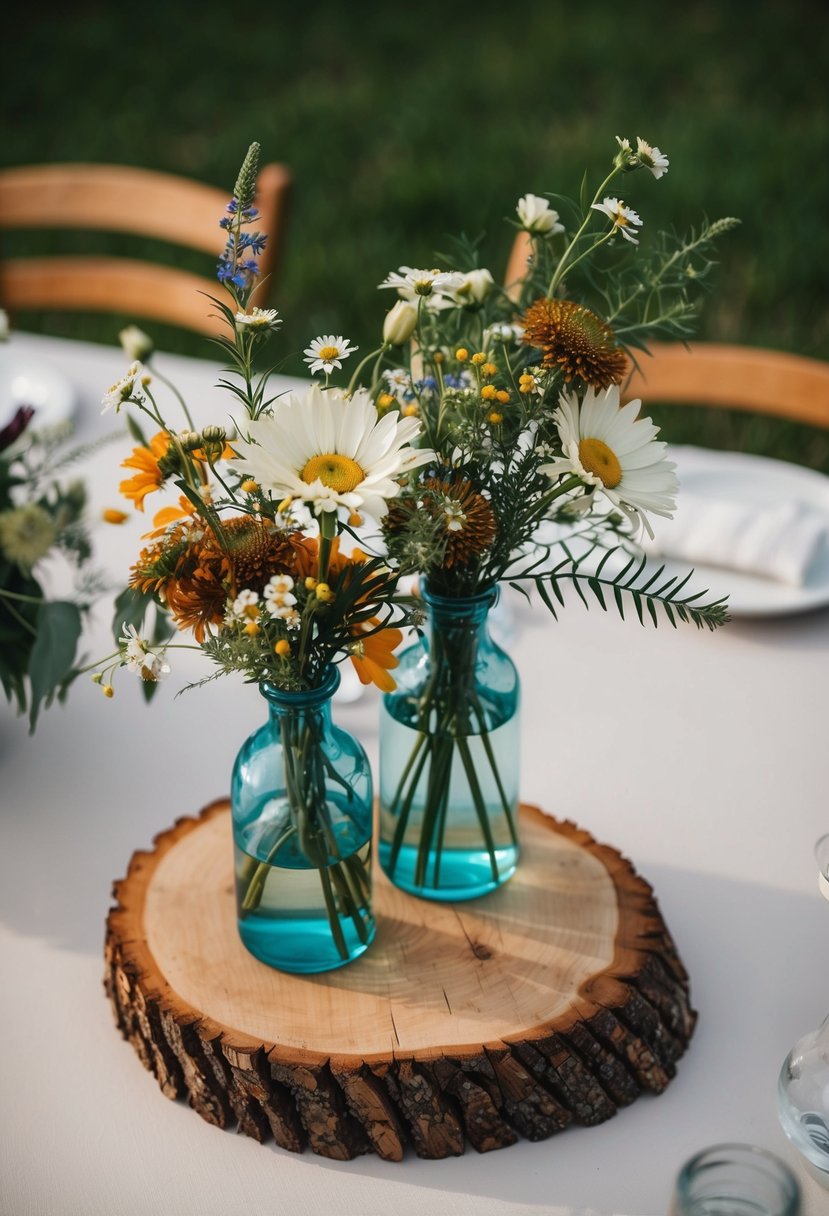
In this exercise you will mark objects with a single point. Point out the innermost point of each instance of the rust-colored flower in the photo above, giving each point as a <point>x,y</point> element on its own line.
<point>195,573</point>
<point>467,518</point>
<point>575,340</point>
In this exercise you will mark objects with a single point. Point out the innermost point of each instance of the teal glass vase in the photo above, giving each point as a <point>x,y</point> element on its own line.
<point>450,757</point>
<point>302,808</point>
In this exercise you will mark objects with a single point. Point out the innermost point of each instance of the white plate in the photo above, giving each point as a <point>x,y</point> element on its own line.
<point>763,481</point>
<point>26,380</point>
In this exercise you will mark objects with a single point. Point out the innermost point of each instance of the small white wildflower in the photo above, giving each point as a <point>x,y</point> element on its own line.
<point>537,216</point>
<point>141,659</point>
<point>126,389</point>
<point>409,282</point>
<point>503,333</point>
<point>258,319</point>
<point>651,158</point>
<point>244,608</point>
<point>623,217</point>
<point>288,614</point>
<point>326,352</point>
<point>455,517</point>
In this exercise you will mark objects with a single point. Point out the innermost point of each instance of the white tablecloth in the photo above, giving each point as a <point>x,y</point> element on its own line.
<point>703,757</point>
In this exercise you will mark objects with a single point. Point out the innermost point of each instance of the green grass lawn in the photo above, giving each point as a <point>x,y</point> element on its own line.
<point>405,124</point>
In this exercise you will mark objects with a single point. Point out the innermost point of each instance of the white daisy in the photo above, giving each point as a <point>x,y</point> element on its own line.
<point>410,283</point>
<point>614,451</point>
<point>128,388</point>
<point>329,450</point>
<point>621,216</point>
<point>278,596</point>
<point>149,665</point>
<point>651,158</point>
<point>135,343</point>
<point>326,352</point>
<point>258,319</point>
<point>537,216</point>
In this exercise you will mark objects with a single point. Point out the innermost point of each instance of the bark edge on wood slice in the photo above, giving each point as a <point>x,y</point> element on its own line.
<point>261,1054</point>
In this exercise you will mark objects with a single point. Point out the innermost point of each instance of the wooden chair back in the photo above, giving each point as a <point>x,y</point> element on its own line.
<point>753,379</point>
<point>122,199</point>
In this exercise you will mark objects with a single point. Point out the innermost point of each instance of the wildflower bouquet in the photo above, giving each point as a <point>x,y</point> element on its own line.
<point>540,477</point>
<point>41,517</point>
<point>251,562</point>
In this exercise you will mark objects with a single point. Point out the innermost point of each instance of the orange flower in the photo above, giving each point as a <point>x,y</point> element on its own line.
<point>149,476</point>
<point>170,515</point>
<point>376,658</point>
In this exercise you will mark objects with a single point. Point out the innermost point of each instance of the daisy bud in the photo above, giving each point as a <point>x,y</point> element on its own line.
<point>400,323</point>
<point>214,434</point>
<point>107,690</point>
<point>135,343</point>
<point>97,677</point>
<point>537,216</point>
<point>324,593</point>
<point>189,440</point>
<point>310,583</point>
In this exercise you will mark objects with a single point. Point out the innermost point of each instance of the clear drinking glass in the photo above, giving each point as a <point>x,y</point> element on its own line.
<point>803,1084</point>
<point>735,1180</point>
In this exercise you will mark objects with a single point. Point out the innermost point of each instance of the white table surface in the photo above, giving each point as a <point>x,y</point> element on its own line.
<point>703,757</point>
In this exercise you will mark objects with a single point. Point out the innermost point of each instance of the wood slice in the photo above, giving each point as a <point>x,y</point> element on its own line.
<point>555,1000</point>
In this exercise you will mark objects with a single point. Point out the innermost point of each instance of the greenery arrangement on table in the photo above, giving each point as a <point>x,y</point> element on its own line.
<point>42,528</point>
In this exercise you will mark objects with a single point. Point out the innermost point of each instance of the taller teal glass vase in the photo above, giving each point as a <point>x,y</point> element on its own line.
<point>450,757</point>
<point>302,809</point>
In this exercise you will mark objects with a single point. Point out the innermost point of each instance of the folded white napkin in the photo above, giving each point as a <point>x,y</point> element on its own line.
<point>777,541</point>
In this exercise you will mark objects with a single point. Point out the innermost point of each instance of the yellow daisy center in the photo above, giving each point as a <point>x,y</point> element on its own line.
<point>339,473</point>
<point>597,458</point>
<point>328,352</point>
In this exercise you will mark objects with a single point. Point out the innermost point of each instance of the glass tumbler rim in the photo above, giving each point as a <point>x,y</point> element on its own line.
<point>745,1153</point>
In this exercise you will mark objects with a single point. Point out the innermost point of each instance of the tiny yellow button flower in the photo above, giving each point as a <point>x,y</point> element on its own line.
<point>461,354</point>
<point>494,417</point>
<point>410,411</point>
<point>438,356</point>
<point>488,392</point>
<point>479,358</point>
<point>310,583</point>
<point>111,515</point>
<point>282,648</point>
<point>384,401</point>
<point>502,396</point>
<point>107,690</point>
<point>249,486</point>
<point>324,593</point>
<point>489,369</point>
<point>251,629</point>
<point>97,677</point>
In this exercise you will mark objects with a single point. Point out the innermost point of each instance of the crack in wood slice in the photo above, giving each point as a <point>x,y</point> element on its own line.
<point>621,1035</point>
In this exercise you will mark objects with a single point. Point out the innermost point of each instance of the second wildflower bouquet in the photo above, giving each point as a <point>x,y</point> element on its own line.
<point>542,478</point>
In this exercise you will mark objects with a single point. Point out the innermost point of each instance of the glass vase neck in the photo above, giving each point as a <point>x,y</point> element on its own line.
<point>284,701</point>
<point>466,609</point>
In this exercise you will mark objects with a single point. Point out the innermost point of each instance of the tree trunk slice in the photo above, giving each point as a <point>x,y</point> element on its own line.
<point>555,1000</point>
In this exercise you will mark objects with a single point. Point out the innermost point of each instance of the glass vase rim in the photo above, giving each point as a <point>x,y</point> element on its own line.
<point>488,596</point>
<point>782,1173</point>
<point>302,698</point>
